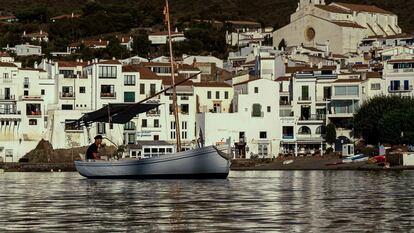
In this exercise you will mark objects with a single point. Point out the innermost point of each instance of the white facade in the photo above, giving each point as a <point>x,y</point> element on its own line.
<point>28,50</point>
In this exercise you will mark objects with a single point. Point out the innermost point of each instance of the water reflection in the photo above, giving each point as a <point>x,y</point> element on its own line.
<point>294,201</point>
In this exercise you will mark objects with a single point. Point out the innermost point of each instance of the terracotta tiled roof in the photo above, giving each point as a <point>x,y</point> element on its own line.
<point>7,64</point>
<point>347,24</point>
<point>211,84</point>
<point>241,22</point>
<point>362,8</point>
<point>110,62</point>
<point>165,33</point>
<point>71,63</point>
<point>152,64</point>
<point>144,72</point>
<point>33,69</point>
<point>374,75</point>
<point>333,9</point>
<point>339,56</point>
<point>4,54</point>
<point>168,81</point>
<point>401,61</point>
<point>283,78</point>
<point>187,67</point>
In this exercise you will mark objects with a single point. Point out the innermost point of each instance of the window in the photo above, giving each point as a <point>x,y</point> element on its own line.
<point>129,80</point>
<point>67,73</point>
<point>32,122</point>
<point>82,90</point>
<point>172,125</point>
<point>42,92</point>
<point>152,89</point>
<point>129,126</point>
<point>226,95</point>
<point>131,138</point>
<point>304,130</point>
<point>305,93</point>
<point>156,123</point>
<point>157,138</point>
<point>144,123</point>
<point>269,109</point>
<point>257,110</point>
<point>263,134</point>
<point>217,95</point>
<point>184,109</point>
<point>26,93</point>
<point>67,107</point>
<point>33,110</point>
<point>67,91</point>
<point>26,82</point>
<point>100,127</point>
<point>375,86</point>
<point>184,125</point>
<point>346,90</point>
<point>184,134</point>
<point>108,91</point>
<point>208,94</point>
<point>129,97</point>
<point>142,89</point>
<point>256,90</point>
<point>172,134</point>
<point>70,126</point>
<point>107,71</point>
<point>287,132</point>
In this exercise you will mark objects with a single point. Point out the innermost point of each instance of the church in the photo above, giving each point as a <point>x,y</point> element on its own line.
<point>342,26</point>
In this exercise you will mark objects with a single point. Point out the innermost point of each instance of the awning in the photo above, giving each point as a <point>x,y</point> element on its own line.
<point>116,113</point>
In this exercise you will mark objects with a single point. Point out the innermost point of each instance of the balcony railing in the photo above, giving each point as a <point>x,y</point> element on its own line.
<point>108,95</point>
<point>406,70</point>
<point>313,117</point>
<point>9,112</point>
<point>284,102</point>
<point>65,95</point>
<point>153,113</point>
<point>304,98</point>
<point>288,136</point>
<point>400,88</point>
<point>7,97</point>
<point>34,113</point>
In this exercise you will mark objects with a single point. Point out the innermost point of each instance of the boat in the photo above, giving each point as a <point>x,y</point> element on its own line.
<point>202,163</point>
<point>211,162</point>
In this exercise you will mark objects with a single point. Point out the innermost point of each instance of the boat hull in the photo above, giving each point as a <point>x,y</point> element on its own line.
<point>202,163</point>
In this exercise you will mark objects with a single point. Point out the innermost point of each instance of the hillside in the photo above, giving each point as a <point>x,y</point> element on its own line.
<point>269,12</point>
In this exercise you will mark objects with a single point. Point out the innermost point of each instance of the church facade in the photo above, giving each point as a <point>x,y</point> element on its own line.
<point>342,26</point>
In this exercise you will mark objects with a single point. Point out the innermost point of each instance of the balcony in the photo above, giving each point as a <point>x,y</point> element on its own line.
<point>284,103</point>
<point>34,114</point>
<point>313,117</point>
<point>288,136</point>
<point>322,99</point>
<point>304,99</point>
<point>8,97</point>
<point>393,89</point>
<point>108,95</point>
<point>67,95</point>
<point>9,112</point>
<point>153,113</point>
<point>407,70</point>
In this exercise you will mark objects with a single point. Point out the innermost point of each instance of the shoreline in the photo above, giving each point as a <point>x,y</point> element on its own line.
<point>298,164</point>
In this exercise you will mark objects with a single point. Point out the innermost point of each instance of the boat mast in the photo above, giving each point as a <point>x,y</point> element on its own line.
<point>177,121</point>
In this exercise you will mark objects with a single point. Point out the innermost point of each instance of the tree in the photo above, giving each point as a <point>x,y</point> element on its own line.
<point>386,119</point>
<point>141,45</point>
<point>330,136</point>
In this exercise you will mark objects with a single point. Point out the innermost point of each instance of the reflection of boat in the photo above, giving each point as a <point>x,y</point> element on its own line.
<point>204,162</point>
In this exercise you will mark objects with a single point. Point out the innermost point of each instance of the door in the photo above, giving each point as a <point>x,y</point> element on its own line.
<point>7,93</point>
<point>305,112</point>
<point>406,85</point>
<point>305,92</point>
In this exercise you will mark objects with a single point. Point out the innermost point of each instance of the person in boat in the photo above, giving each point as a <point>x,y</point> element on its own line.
<point>92,152</point>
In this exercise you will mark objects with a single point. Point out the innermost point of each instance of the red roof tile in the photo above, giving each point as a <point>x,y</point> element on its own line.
<point>7,64</point>
<point>347,24</point>
<point>211,84</point>
<point>71,63</point>
<point>363,8</point>
<point>333,9</point>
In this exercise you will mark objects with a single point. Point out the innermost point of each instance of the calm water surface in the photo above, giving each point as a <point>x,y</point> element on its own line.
<point>273,201</point>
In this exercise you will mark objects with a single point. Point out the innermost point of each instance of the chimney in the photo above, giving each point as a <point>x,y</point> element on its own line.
<point>41,32</point>
<point>24,33</point>
<point>73,15</point>
<point>122,39</point>
<point>81,60</point>
<point>100,40</point>
<point>35,65</point>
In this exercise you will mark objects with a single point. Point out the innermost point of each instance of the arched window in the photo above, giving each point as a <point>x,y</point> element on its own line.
<point>321,130</point>
<point>304,130</point>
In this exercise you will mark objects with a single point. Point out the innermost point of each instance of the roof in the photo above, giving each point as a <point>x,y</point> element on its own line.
<point>347,24</point>
<point>4,54</point>
<point>7,64</point>
<point>312,49</point>
<point>283,78</point>
<point>400,60</point>
<point>110,62</point>
<point>66,16</point>
<point>144,72</point>
<point>348,81</point>
<point>168,81</point>
<point>339,56</point>
<point>294,69</point>
<point>71,63</point>
<point>333,9</point>
<point>6,17</point>
<point>374,75</point>
<point>33,69</point>
<point>151,64</point>
<point>363,8</point>
<point>241,22</point>
<point>211,84</point>
<point>251,79</point>
<point>165,33</point>
<point>187,67</point>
